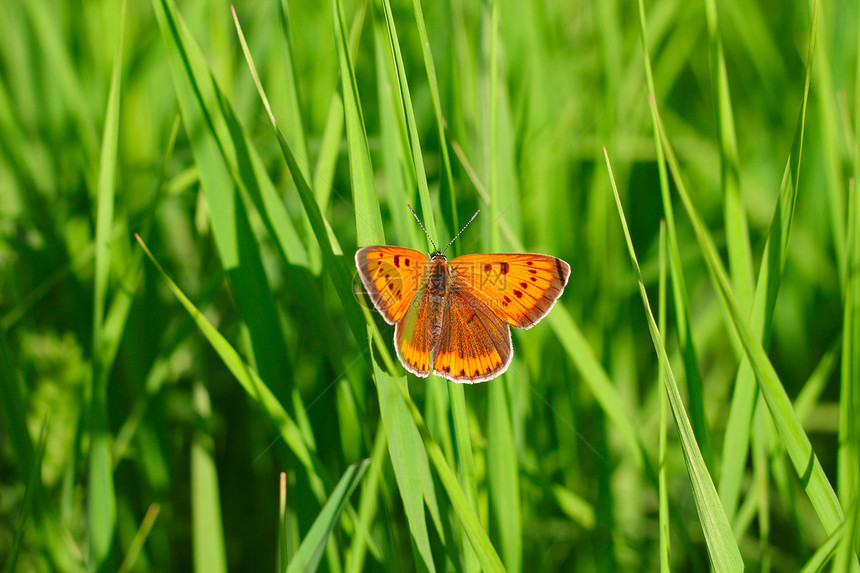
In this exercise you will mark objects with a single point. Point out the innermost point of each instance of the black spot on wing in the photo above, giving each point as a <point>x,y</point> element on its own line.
<point>504,268</point>
<point>519,294</point>
<point>397,261</point>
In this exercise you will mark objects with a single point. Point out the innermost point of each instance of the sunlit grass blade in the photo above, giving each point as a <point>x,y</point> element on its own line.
<point>662,486</point>
<point>403,106</point>
<point>676,273</point>
<point>447,192</point>
<point>411,467</point>
<point>735,444</point>
<point>795,440</point>
<point>409,459</point>
<point>724,552</point>
<point>848,457</point>
<point>331,251</point>
<point>503,469</point>
<point>848,474</point>
<point>230,170</point>
<point>207,529</point>
<point>251,382</point>
<point>367,506</point>
<point>737,231</point>
<point>825,553</point>
<point>102,501</point>
<point>283,525</point>
<point>487,555</point>
<point>309,554</point>
<point>139,539</point>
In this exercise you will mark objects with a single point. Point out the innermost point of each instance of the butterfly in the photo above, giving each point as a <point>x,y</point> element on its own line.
<point>453,318</point>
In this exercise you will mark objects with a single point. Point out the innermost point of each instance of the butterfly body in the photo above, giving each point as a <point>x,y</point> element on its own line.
<point>453,318</point>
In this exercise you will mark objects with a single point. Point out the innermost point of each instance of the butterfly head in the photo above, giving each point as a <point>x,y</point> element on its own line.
<point>440,254</point>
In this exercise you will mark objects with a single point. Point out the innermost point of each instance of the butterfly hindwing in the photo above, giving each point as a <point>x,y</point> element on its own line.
<point>475,345</point>
<point>392,276</point>
<point>412,335</point>
<point>519,288</point>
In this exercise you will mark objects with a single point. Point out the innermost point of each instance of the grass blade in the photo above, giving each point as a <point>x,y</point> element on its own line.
<point>796,442</point>
<point>251,382</point>
<point>207,534</point>
<point>309,554</point>
<point>724,552</point>
<point>102,500</point>
<point>679,284</point>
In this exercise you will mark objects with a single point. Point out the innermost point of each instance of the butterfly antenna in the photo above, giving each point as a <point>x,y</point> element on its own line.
<point>461,230</point>
<point>422,227</point>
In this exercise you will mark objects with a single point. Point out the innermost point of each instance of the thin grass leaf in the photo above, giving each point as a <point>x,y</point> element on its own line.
<point>309,554</point>
<point>325,237</point>
<point>447,191</point>
<point>487,555</point>
<point>33,482</point>
<point>283,525</point>
<point>676,273</point>
<point>101,495</point>
<point>405,107</point>
<point>367,506</point>
<point>848,456</point>
<point>796,442</point>
<point>51,534</point>
<point>411,467</point>
<point>207,531</point>
<point>251,382</point>
<point>825,553</point>
<point>737,230</point>
<point>139,539</point>
<point>724,552</point>
<point>503,470</point>
<point>662,486</point>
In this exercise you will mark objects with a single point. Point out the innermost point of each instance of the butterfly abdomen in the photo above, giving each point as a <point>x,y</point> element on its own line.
<point>437,288</point>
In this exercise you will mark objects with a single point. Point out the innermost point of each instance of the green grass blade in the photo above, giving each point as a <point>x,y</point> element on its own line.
<point>447,192</point>
<point>662,486</point>
<point>251,382</point>
<point>230,168</point>
<point>796,442</point>
<point>309,554</point>
<point>848,457</point>
<point>737,231</point>
<point>140,537</point>
<point>367,506</point>
<point>102,500</point>
<point>676,272</point>
<point>368,218</point>
<point>724,552</point>
<point>408,457</point>
<point>825,553</point>
<point>207,533</point>
<point>487,555</point>
<point>848,474</point>
<point>404,106</point>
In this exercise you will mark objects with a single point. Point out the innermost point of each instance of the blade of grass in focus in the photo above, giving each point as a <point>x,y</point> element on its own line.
<point>102,500</point>
<point>722,548</point>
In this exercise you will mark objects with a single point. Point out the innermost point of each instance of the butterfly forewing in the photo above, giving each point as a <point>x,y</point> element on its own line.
<point>519,288</point>
<point>391,276</point>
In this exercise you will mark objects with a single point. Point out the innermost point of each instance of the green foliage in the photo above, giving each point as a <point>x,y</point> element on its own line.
<point>690,403</point>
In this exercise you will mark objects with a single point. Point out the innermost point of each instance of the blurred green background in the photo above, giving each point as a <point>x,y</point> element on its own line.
<point>134,438</point>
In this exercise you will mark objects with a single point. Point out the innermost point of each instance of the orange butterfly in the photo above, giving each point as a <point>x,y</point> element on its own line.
<point>454,317</point>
